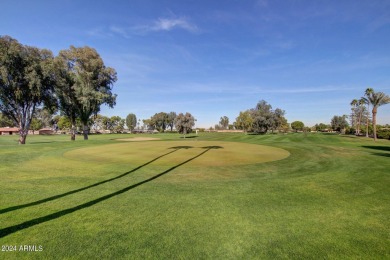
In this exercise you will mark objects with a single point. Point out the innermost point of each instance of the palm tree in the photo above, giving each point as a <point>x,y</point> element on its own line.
<point>354,104</point>
<point>361,104</point>
<point>376,99</point>
<point>358,108</point>
<point>368,92</point>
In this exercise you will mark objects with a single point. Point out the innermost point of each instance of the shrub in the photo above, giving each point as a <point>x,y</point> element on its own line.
<point>383,134</point>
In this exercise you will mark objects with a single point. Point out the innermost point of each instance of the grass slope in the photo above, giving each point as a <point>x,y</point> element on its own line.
<point>328,199</point>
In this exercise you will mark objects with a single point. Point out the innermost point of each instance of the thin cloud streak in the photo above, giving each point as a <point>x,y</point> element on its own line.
<point>165,24</point>
<point>159,25</point>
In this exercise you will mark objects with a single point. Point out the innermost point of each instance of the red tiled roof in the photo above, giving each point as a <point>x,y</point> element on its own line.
<point>9,129</point>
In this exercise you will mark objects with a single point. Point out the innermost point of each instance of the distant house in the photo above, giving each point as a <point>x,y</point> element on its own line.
<point>9,130</point>
<point>46,131</point>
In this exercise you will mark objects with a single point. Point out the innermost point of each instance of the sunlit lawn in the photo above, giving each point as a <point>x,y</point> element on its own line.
<point>210,196</point>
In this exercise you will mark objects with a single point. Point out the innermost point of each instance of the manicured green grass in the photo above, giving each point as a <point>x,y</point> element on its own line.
<point>213,196</point>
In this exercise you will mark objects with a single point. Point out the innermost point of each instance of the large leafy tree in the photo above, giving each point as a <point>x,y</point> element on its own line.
<point>160,121</point>
<point>263,117</point>
<point>297,126</point>
<point>184,123</point>
<point>36,124</point>
<point>244,121</point>
<point>376,99</point>
<point>85,84</point>
<point>321,127</point>
<point>279,121</point>
<point>339,123</point>
<point>26,82</point>
<point>224,122</point>
<point>131,121</point>
<point>171,120</point>
<point>115,124</point>
<point>63,123</point>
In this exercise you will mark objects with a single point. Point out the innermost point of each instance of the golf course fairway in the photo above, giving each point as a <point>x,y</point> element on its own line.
<point>211,196</point>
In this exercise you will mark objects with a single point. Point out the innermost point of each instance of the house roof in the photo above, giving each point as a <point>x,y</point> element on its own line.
<point>45,129</point>
<point>9,129</point>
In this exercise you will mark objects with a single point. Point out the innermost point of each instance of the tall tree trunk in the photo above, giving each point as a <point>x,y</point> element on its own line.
<point>24,125</point>
<point>368,112</point>
<point>359,121</point>
<point>73,132</point>
<point>374,111</point>
<point>22,136</point>
<point>85,131</point>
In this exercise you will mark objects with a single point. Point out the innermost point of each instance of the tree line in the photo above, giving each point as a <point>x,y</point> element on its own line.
<point>263,118</point>
<point>182,122</point>
<point>115,124</point>
<point>360,115</point>
<point>34,83</point>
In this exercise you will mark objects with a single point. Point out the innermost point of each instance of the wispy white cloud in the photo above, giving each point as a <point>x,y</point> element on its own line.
<point>161,24</point>
<point>168,24</point>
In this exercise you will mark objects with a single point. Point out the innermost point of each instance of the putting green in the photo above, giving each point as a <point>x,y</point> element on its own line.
<point>170,153</point>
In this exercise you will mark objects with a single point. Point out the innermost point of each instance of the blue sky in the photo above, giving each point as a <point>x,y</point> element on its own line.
<point>217,58</point>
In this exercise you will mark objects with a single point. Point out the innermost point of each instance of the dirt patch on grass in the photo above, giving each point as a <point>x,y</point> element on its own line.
<point>138,139</point>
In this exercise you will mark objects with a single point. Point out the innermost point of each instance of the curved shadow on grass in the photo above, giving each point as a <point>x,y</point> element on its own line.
<point>2,211</point>
<point>181,147</point>
<point>381,148</point>
<point>212,147</point>
<point>12,229</point>
<point>189,137</point>
<point>382,154</point>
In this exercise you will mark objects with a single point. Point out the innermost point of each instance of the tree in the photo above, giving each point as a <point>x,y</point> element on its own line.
<point>297,126</point>
<point>279,121</point>
<point>148,124</point>
<point>184,123</point>
<point>85,84</point>
<point>45,116</point>
<point>117,124</point>
<point>64,123</point>
<point>131,121</point>
<point>114,124</point>
<point>98,122</point>
<point>36,124</point>
<point>354,116</point>
<point>358,109</point>
<point>368,91</point>
<point>339,123</point>
<point>171,120</point>
<point>160,121</point>
<point>262,117</point>
<point>224,122</point>
<point>26,82</point>
<point>321,127</point>
<point>5,121</point>
<point>376,99</point>
<point>244,121</point>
